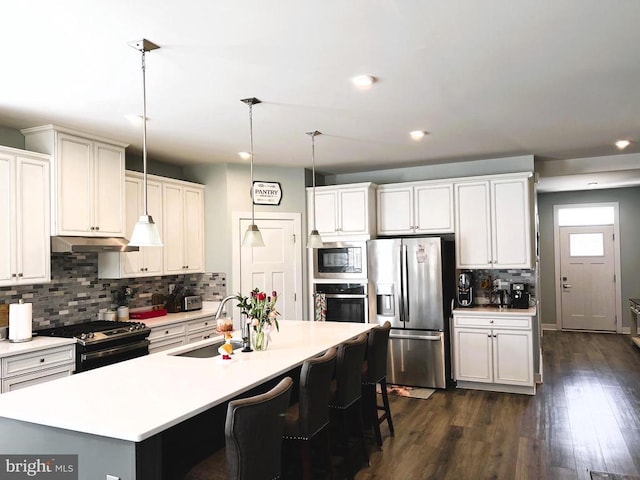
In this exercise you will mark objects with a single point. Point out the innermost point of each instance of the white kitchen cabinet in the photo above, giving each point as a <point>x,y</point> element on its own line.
<point>178,334</point>
<point>494,222</point>
<point>148,261</point>
<point>344,211</point>
<point>415,208</point>
<point>87,196</point>
<point>183,227</point>
<point>25,247</point>
<point>201,329</point>
<point>166,337</point>
<point>494,353</point>
<point>26,369</point>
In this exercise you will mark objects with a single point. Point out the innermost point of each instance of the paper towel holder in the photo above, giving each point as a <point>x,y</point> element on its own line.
<point>21,336</point>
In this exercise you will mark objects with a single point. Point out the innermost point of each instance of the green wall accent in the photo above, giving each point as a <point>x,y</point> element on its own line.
<point>11,137</point>
<point>629,201</point>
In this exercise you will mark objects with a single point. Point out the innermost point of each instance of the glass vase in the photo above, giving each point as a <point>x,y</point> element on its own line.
<point>260,338</point>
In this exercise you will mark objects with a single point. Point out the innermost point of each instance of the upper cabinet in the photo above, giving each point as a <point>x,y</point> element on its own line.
<point>183,227</point>
<point>177,208</point>
<point>25,255</point>
<point>415,208</point>
<point>87,181</point>
<point>344,211</point>
<point>494,222</point>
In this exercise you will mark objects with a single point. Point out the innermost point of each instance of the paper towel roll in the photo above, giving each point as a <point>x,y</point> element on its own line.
<point>20,317</point>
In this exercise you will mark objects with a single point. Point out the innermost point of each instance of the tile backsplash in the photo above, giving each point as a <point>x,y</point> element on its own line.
<point>76,294</point>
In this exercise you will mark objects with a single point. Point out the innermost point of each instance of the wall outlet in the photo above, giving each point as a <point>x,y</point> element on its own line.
<point>172,287</point>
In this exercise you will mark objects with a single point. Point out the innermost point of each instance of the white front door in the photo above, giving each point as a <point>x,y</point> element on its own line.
<point>587,278</point>
<point>275,267</point>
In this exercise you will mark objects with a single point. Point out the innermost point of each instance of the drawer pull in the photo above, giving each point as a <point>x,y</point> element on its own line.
<point>42,360</point>
<point>166,332</point>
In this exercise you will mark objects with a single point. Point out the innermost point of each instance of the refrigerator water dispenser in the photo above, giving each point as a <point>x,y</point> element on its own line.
<point>385,300</point>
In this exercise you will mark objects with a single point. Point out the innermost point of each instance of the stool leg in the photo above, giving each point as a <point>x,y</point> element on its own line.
<point>305,451</point>
<point>365,452</point>
<point>385,403</point>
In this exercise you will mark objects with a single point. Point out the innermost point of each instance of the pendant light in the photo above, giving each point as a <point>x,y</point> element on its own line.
<point>252,237</point>
<point>145,232</point>
<point>314,240</point>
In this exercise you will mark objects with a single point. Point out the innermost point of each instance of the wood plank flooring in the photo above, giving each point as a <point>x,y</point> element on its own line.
<point>586,416</point>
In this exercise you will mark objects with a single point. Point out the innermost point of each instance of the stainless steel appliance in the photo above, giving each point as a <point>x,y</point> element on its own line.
<point>464,291</point>
<point>191,303</point>
<point>103,342</point>
<point>345,302</point>
<point>412,286</point>
<point>340,260</point>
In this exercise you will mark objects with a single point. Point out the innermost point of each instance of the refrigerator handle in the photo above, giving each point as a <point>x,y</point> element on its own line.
<point>405,285</point>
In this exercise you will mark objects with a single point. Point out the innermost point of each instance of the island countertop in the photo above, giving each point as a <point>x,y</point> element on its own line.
<point>155,392</point>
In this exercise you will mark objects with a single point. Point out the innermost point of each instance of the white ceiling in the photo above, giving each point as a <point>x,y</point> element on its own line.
<point>487,79</point>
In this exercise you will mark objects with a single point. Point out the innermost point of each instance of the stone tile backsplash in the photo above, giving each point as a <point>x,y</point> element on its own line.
<point>76,294</point>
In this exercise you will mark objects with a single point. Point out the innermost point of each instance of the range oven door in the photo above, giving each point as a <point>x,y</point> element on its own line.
<point>344,302</point>
<point>102,354</point>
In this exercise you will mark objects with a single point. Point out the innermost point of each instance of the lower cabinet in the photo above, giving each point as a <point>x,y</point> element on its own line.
<point>494,353</point>
<point>178,334</point>
<point>26,369</point>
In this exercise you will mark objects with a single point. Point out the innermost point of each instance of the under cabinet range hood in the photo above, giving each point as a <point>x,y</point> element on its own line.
<point>90,244</point>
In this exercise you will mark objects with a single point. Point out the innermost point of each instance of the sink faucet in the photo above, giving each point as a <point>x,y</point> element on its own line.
<point>222,304</point>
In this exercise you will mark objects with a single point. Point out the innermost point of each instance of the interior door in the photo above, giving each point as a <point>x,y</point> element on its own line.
<point>587,278</point>
<point>272,267</point>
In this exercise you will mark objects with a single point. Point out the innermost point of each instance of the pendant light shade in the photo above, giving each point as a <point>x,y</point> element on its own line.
<point>252,237</point>
<point>314,240</point>
<point>145,232</point>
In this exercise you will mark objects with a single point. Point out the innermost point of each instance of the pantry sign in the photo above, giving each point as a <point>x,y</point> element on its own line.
<point>266,193</point>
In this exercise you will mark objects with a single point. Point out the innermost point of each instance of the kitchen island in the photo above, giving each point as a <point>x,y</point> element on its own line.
<point>114,417</point>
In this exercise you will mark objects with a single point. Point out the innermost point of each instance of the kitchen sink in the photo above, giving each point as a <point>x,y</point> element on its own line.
<point>209,351</point>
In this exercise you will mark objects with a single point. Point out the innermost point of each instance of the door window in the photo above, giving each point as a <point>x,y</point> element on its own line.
<point>586,244</point>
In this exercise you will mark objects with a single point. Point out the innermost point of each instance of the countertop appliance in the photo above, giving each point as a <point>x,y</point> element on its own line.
<point>412,285</point>
<point>519,295</point>
<point>103,342</point>
<point>464,291</point>
<point>191,303</point>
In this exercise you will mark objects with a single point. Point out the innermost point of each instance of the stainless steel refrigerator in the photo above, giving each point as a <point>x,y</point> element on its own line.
<point>412,283</point>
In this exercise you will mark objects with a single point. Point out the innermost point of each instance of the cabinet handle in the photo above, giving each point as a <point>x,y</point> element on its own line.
<point>42,360</point>
<point>206,323</point>
<point>167,332</point>
<point>97,228</point>
<point>92,228</point>
<point>490,321</point>
<point>20,275</point>
<point>489,335</point>
<point>13,275</point>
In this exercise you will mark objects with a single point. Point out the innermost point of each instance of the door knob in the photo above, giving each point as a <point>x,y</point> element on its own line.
<point>566,285</point>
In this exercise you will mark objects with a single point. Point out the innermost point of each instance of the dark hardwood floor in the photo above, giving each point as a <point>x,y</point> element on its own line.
<point>586,416</point>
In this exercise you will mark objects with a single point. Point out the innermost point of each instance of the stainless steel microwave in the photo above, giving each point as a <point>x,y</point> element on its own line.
<point>340,260</point>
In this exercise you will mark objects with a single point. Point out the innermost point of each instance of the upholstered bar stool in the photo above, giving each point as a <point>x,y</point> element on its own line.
<point>346,394</point>
<point>374,372</point>
<point>253,437</point>
<point>310,416</point>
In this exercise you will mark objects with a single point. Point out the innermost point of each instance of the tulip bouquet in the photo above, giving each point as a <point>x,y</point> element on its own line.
<point>261,311</point>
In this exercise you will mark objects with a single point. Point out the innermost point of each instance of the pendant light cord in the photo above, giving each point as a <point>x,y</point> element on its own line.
<point>313,175</point>
<point>144,135</point>
<point>253,205</point>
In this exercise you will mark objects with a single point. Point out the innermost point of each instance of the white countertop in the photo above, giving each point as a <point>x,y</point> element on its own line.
<point>8,348</point>
<point>155,392</point>
<point>493,311</point>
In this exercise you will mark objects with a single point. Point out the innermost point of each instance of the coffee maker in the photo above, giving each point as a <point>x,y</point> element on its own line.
<point>464,291</point>
<point>519,295</point>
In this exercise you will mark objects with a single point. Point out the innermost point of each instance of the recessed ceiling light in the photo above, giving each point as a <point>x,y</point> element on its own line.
<point>363,81</point>
<point>622,144</point>
<point>244,155</point>
<point>417,135</point>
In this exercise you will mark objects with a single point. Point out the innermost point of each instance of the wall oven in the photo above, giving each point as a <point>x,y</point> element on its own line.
<point>343,302</point>
<point>340,260</point>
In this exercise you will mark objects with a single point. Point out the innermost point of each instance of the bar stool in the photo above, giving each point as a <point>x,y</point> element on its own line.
<point>253,438</point>
<point>346,393</point>
<point>374,372</point>
<point>310,416</point>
